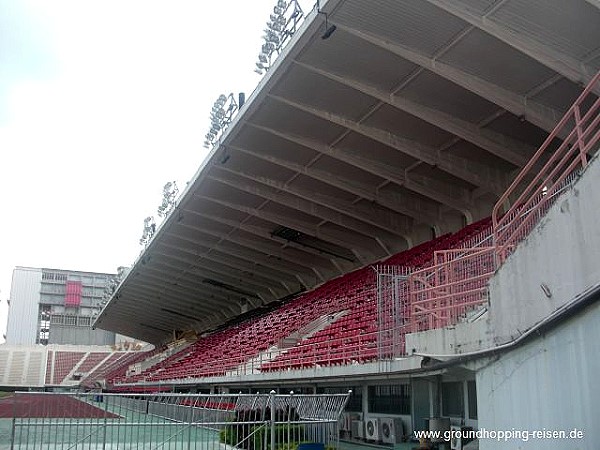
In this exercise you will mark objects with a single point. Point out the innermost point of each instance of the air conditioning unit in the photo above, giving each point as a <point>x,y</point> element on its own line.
<point>392,430</point>
<point>439,425</point>
<point>455,438</point>
<point>457,441</point>
<point>345,422</point>
<point>372,429</point>
<point>358,428</point>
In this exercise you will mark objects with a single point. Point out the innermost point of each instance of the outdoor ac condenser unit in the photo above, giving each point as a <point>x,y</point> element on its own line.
<point>358,427</point>
<point>372,429</point>
<point>392,430</point>
<point>457,442</point>
<point>345,422</point>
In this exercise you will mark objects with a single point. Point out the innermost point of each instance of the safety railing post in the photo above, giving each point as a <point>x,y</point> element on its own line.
<point>14,424</point>
<point>190,417</point>
<point>273,418</point>
<point>289,413</point>
<point>106,400</point>
<point>580,143</point>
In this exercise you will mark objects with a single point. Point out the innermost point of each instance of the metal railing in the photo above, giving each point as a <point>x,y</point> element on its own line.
<point>174,421</point>
<point>457,281</point>
<point>441,294</point>
<point>546,173</point>
<point>393,310</point>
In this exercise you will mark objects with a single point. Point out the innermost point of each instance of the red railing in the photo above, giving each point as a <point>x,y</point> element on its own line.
<point>455,284</point>
<point>457,281</point>
<point>534,189</point>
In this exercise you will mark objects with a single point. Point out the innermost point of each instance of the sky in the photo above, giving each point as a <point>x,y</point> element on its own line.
<point>101,103</point>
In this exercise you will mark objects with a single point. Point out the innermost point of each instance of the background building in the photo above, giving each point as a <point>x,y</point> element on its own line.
<point>53,306</point>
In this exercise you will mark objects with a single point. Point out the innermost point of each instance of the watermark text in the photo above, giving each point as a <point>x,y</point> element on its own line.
<point>498,435</point>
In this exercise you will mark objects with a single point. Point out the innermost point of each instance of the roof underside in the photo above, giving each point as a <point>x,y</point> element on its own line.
<point>413,116</point>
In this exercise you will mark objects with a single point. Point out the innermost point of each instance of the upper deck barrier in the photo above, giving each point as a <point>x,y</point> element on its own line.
<point>550,169</point>
<point>457,281</point>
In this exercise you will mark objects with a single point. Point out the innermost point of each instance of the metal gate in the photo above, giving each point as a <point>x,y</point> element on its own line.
<point>393,310</point>
<point>175,421</point>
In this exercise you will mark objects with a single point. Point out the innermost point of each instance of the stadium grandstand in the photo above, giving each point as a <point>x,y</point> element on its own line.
<point>406,207</point>
<point>62,365</point>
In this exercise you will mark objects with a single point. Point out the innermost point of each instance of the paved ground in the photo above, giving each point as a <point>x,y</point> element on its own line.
<point>346,445</point>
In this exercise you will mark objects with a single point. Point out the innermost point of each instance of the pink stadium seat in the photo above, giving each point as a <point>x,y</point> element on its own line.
<point>350,339</point>
<point>64,362</point>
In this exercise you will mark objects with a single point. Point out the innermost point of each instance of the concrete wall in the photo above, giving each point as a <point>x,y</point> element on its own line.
<point>464,337</point>
<point>23,312</point>
<point>561,253</point>
<point>549,383</point>
<point>63,334</point>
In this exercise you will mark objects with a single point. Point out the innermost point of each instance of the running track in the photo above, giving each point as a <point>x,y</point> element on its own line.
<point>44,405</point>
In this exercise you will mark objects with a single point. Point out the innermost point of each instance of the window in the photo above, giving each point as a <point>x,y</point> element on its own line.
<point>47,276</point>
<point>297,390</point>
<point>472,394</point>
<point>389,399</point>
<point>57,319</point>
<point>52,288</point>
<point>44,324</point>
<point>453,399</point>
<point>240,390</point>
<point>87,291</point>
<point>355,400</point>
<point>54,276</point>
<point>83,321</point>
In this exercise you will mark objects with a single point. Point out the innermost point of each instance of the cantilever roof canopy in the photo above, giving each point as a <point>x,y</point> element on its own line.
<point>410,119</point>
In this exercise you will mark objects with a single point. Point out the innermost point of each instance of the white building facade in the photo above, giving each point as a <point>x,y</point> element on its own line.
<point>51,306</point>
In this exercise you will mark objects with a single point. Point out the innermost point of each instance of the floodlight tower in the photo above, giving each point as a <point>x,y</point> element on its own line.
<point>221,116</point>
<point>149,229</point>
<point>170,191</point>
<point>282,25</point>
